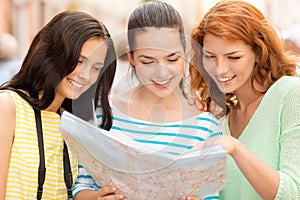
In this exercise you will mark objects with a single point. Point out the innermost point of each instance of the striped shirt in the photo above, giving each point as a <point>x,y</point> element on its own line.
<point>22,179</point>
<point>173,137</point>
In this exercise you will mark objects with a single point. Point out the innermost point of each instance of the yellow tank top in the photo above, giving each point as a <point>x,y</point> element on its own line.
<point>22,180</point>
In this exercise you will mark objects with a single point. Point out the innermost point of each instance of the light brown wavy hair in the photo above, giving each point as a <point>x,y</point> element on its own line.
<point>238,21</point>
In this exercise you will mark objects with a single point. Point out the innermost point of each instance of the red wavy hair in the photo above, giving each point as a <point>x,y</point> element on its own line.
<point>238,21</point>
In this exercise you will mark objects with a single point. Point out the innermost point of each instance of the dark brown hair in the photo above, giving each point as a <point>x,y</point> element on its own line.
<point>54,53</point>
<point>154,14</point>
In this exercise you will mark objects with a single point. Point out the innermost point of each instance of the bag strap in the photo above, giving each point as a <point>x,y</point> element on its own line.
<point>42,167</point>
<point>68,178</point>
<point>67,172</point>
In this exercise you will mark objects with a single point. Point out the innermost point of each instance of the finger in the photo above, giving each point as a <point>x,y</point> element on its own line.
<point>192,198</point>
<point>106,190</point>
<point>199,145</point>
<point>112,197</point>
<point>210,142</point>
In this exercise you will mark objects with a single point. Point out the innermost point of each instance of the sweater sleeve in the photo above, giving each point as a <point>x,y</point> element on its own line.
<point>289,186</point>
<point>84,181</point>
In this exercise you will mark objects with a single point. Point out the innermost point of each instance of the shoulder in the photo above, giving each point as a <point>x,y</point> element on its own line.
<point>287,82</point>
<point>209,119</point>
<point>208,122</point>
<point>207,115</point>
<point>7,107</point>
<point>121,101</point>
<point>285,95</point>
<point>285,87</point>
<point>6,99</point>
<point>11,100</point>
<point>291,85</point>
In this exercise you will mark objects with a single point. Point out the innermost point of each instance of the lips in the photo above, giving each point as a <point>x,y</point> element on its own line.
<point>225,79</point>
<point>161,82</point>
<point>74,83</point>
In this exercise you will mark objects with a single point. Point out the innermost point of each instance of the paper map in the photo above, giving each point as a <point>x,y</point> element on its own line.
<point>138,171</point>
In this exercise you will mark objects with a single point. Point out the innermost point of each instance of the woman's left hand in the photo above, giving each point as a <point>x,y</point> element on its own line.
<point>229,143</point>
<point>191,198</point>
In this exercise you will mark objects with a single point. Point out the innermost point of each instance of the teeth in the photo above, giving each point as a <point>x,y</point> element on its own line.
<point>162,82</point>
<point>78,85</point>
<point>224,79</point>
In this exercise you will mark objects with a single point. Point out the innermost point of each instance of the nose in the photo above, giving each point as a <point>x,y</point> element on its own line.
<point>221,66</point>
<point>162,71</point>
<point>84,72</point>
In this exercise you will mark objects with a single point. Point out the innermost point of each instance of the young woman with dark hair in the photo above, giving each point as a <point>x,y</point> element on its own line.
<point>156,112</point>
<point>71,57</point>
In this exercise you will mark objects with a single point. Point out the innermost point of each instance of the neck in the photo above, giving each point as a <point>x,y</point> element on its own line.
<point>247,95</point>
<point>55,105</point>
<point>149,99</point>
<point>145,105</point>
<point>248,98</point>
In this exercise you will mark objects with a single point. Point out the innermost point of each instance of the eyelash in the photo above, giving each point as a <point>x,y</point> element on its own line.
<point>233,58</point>
<point>147,63</point>
<point>208,56</point>
<point>96,68</point>
<point>169,60</point>
<point>173,60</point>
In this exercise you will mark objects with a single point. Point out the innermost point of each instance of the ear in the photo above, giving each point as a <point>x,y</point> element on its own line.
<point>130,57</point>
<point>257,59</point>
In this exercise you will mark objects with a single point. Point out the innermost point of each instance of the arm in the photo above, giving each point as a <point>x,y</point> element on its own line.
<point>86,188</point>
<point>84,181</point>
<point>262,177</point>
<point>268,183</point>
<point>7,124</point>
<point>289,186</point>
<point>284,183</point>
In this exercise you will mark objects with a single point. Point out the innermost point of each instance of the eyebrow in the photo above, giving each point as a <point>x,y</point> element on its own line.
<point>227,54</point>
<point>150,57</point>
<point>86,58</point>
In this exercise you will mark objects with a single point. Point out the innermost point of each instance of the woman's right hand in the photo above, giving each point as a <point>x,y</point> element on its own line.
<point>109,193</point>
<point>104,193</point>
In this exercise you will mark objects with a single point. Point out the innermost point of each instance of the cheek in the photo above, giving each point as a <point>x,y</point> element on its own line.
<point>179,68</point>
<point>209,67</point>
<point>94,77</point>
<point>144,73</point>
<point>249,66</point>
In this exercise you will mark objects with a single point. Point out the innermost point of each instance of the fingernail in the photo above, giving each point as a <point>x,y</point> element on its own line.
<point>188,198</point>
<point>114,189</point>
<point>121,197</point>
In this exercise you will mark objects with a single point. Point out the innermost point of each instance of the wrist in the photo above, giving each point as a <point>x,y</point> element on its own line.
<point>236,147</point>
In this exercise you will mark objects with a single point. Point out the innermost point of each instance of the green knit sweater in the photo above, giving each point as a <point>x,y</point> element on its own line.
<point>273,135</point>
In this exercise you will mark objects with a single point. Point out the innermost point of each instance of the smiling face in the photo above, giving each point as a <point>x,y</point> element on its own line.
<point>158,58</point>
<point>229,63</point>
<point>86,73</point>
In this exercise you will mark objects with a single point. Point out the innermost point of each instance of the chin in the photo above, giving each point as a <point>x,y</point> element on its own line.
<point>163,94</point>
<point>73,96</point>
